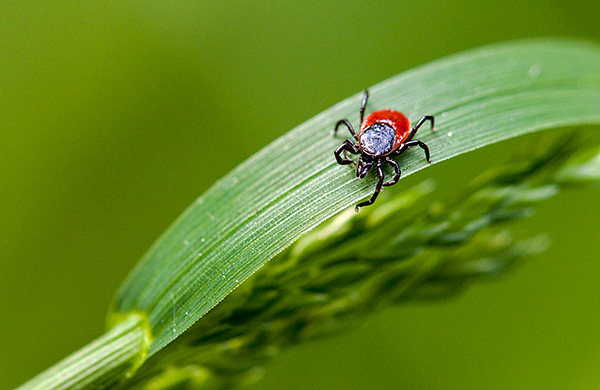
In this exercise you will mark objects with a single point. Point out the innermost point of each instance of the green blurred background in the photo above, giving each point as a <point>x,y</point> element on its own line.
<point>106,135</point>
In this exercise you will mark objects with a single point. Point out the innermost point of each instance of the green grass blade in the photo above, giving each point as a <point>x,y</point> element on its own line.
<point>253,213</point>
<point>101,364</point>
<point>422,244</point>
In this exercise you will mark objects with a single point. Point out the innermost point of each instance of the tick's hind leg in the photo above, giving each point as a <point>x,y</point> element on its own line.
<point>377,189</point>
<point>348,125</point>
<point>363,106</point>
<point>347,146</point>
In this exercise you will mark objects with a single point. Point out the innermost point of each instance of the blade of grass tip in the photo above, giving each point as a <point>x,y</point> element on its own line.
<point>478,97</point>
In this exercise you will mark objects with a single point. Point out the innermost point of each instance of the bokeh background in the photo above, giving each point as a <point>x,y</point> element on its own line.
<point>107,133</point>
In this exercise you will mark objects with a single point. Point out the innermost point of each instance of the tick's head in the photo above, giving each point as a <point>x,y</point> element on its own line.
<point>365,162</point>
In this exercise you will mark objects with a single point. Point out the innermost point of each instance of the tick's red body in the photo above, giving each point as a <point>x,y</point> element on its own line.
<point>396,120</point>
<point>382,134</point>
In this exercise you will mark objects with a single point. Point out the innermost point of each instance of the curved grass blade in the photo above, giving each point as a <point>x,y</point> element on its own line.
<point>102,363</point>
<point>478,97</point>
<point>421,244</point>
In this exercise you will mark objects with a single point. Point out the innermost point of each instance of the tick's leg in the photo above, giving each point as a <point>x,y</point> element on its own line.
<point>363,106</point>
<point>348,125</point>
<point>396,169</point>
<point>423,119</point>
<point>421,144</point>
<point>347,146</point>
<point>377,188</point>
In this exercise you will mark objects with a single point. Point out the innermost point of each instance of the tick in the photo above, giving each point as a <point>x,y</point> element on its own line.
<point>383,134</point>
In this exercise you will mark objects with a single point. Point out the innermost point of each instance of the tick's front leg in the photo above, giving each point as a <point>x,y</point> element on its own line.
<point>377,188</point>
<point>396,169</point>
<point>347,146</point>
